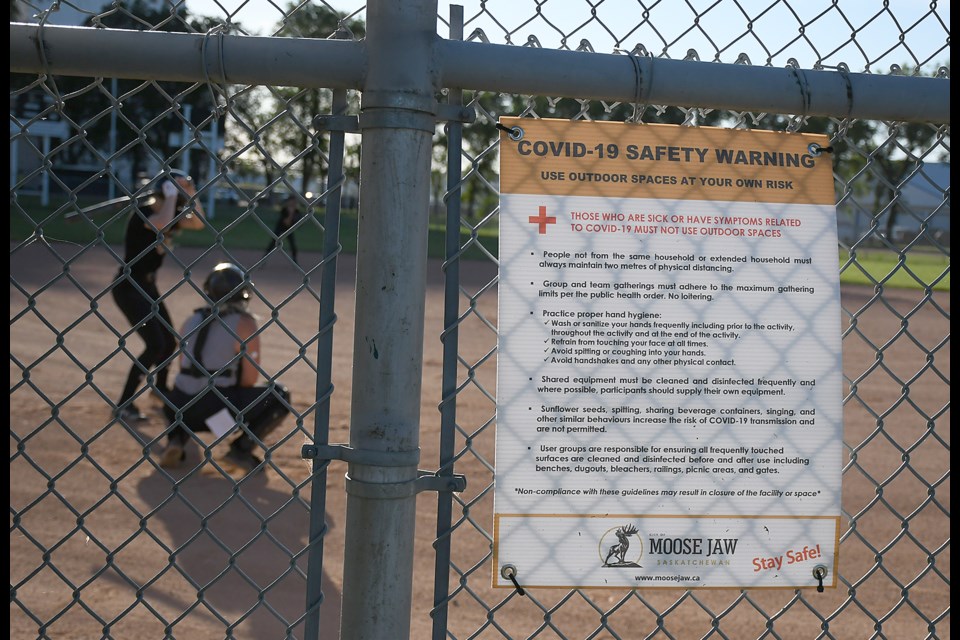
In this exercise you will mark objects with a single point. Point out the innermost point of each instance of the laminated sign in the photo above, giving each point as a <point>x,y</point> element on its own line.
<point>669,369</point>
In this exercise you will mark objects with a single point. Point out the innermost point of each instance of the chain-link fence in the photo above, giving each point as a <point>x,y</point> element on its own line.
<point>108,540</point>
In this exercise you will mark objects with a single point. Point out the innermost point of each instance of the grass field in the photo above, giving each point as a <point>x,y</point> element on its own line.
<point>915,269</point>
<point>237,231</point>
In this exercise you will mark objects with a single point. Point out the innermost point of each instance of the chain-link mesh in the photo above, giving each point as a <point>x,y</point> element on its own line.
<point>106,542</point>
<point>893,548</point>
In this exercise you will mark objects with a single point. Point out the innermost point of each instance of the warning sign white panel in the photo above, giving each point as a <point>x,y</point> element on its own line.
<point>669,366</point>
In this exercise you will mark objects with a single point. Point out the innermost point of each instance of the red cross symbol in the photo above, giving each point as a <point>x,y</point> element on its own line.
<point>543,220</point>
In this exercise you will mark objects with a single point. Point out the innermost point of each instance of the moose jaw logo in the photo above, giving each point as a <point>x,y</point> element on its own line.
<point>626,552</point>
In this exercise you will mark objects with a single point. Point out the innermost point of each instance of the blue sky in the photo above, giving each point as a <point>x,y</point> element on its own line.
<point>670,27</point>
<point>723,34</point>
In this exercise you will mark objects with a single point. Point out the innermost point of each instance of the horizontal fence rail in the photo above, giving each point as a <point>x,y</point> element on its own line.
<point>575,74</point>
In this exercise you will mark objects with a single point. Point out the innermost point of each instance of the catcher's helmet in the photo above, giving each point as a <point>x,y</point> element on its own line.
<point>226,285</point>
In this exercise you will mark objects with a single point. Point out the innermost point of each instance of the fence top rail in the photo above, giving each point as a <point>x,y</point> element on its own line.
<point>240,59</point>
<point>691,83</point>
<point>186,57</point>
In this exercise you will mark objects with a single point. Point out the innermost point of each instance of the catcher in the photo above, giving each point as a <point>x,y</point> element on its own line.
<point>216,389</point>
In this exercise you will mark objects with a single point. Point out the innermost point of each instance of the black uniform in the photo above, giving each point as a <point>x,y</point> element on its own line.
<point>135,295</point>
<point>285,222</point>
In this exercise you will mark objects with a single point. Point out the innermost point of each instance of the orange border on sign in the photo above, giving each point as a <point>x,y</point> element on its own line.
<point>660,161</point>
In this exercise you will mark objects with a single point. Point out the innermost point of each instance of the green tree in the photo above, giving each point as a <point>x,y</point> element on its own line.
<point>249,128</point>
<point>873,159</point>
<point>899,150</point>
<point>294,129</point>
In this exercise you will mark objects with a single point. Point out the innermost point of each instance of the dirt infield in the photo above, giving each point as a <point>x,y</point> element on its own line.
<point>103,543</point>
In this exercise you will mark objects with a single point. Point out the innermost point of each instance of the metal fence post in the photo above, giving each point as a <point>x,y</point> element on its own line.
<point>397,120</point>
<point>321,430</point>
<point>451,319</point>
